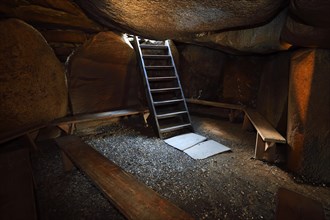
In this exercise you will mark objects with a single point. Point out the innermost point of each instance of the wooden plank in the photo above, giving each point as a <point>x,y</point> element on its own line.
<point>17,199</point>
<point>215,104</point>
<point>264,128</point>
<point>67,163</point>
<point>294,206</point>
<point>30,141</point>
<point>10,135</point>
<point>134,199</point>
<point>23,130</point>
<point>97,116</point>
<point>247,125</point>
<point>259,148</point>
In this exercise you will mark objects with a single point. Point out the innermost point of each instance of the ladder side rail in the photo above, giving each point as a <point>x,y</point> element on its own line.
<point>146,82</point>
<point>179,83</point>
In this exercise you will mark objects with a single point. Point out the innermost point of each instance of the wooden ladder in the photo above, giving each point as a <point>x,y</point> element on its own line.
<point>164,93</point>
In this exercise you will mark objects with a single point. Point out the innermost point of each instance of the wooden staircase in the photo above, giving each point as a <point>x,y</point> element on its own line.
<point>164,93</point>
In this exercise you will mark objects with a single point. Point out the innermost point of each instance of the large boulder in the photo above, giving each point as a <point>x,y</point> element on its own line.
<point>261,39</point>
<point>62,23</point>
<point>272,102</point>
<point>308,24</point>
<point>49,14</point>
<point>303,35</point>
<point>102,75</point>
<point>314,13</point>
<point>200,72</point>
<point>308,131</point>
<point>241,77</point>
<point>33,88</point>
<point>212,75</point>
<point>171,19</point>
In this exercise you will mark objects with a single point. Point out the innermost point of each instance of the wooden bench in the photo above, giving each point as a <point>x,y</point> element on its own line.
<point>24,131</point>
<point>235,110</point>
<point>215,104</point>
<point>17,196</point>
<point>134,199</point>
<point>267,136</point>
<point>292,206</point>
<point>67,124</point>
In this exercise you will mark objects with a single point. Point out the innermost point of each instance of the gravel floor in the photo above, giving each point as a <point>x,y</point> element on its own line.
<point>225,186</point>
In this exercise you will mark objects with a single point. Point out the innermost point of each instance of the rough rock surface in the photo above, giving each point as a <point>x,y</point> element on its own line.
<point>308,24</point>
<point>200,72</point>
<point>33,88</point>
<point>62,23</point>
<point>49,14</point>
<point>238,27</point>
<point>309,114</point>
<point>241,78</point>
<point>273,90</point>
<point>261,39</point>
<point>64,42</point>
<point>212,75</point>
<point>314,13</point>
<point>303,35</point>
<point>102,75</point>
<point>172,19</point>
<point>272,102</point>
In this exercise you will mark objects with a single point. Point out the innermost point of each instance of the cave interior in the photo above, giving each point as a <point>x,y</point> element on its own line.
<point>88,88</point>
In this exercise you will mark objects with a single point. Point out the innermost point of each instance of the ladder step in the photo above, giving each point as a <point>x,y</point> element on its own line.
<point>167,102</point>
<point>159,67</point>
<point>164,90</point>
<point>161,78</point>
<point>174,128</point>
<point>153,47</point>
<point>171,114</point>
<point>156,57</point>
<point>162,83</point>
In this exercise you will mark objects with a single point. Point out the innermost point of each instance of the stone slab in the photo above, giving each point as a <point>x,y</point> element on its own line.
<point>185,141</point>
<point>206,149</point>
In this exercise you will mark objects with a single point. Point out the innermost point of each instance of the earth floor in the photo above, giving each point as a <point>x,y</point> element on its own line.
<point>231,185</point>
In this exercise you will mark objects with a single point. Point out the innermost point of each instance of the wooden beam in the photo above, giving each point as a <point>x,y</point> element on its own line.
<point>30,141</point>
<point>97,116</point>
<point>17,194</point>
<point>291,205</point>
<point>21,131</point>
<point>67,163</point>
<point>134,199</point>
<point>247,125</point>
<point>264,128</point>
<point>259,148</point>
<point>63,122</point>
<point>215,104</point>
<point>65,128</point>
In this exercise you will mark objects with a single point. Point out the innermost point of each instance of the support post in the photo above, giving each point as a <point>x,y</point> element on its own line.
<point>247,125</point>
<point>64,127</point>
<point>72,128</point>
<point>259,148</point>
<point>27,137</point>
<point>67,163</point>
<point>145,117</point>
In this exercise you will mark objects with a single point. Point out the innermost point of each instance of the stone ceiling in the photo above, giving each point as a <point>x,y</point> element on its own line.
<point>238,27</point>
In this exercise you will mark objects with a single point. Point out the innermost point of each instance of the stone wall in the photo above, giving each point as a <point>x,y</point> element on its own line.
<point>33,88</point>
<point>308,130</point>
<point>213,75</point>
<point>62,23</point>
<point>103,75</point>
